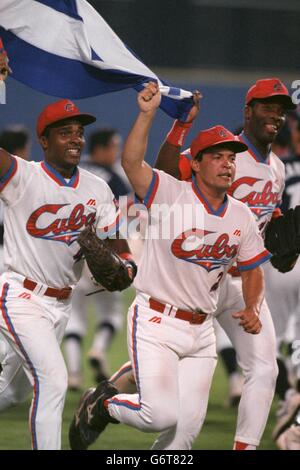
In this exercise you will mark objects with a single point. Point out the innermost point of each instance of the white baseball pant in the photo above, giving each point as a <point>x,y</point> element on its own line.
<point>222,340</point>
<point>283,298</point>
<point>107,305</point>
<point>256,355</point>
<point>34,326</point>
<point>174,362</point>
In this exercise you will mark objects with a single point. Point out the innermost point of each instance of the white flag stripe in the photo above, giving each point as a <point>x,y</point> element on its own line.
<point>60,38</point>
<point>68,37</point>
<point>117,52</point>
<point>167,91</point>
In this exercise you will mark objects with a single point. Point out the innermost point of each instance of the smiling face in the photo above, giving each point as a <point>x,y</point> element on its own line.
<point>215,171</point>
<point>264,119</point>
<point>63,144</point>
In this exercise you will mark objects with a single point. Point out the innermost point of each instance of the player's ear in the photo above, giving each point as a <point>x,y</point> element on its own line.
<point>43,141</point>
<point>195,165</point>
<point>247,112</point>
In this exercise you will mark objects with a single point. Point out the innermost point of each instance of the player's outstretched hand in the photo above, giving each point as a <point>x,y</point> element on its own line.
<point>194,111</point>
<point>249,320</point>
<point>149,98</point>
<point>4,67</point>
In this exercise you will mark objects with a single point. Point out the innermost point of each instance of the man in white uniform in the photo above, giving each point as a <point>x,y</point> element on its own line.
<point>47,205</point>
<point>171,341</point>
<point>259,183</point>
<point>104,147</point>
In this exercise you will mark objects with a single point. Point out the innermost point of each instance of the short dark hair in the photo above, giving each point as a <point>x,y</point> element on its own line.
<point>270,99</point>
<point>14,138</point>
<point>101,138</point>
<point>199,156</point>
<point>56,124</point>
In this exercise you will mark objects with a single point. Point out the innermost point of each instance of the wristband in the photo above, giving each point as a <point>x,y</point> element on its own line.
<point>130,264</point>
<point>276,213</point>
<point>178,133</point>
<point>126,256</point>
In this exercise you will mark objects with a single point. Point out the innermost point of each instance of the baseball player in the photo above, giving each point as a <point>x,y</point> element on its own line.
<point>104,147</point>
<point>47,205</point>
<point>282,294</point>
<point>170,330</point>
<point>259,183</point>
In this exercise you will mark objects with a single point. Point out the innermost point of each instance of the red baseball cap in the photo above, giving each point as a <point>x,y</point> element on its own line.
<point>58,111</point>
<point>269,87</point>
<point>217,135</point>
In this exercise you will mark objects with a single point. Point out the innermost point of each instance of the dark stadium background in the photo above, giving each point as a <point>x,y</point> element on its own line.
<point>220,47</point>
<point>217,46</point>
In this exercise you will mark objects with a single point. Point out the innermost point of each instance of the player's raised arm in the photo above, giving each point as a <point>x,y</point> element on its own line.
<point>168,157</point>
<point>5,162</point>
<point>137,170</point>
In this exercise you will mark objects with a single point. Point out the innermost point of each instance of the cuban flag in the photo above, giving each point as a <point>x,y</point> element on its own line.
<point>64,48</point>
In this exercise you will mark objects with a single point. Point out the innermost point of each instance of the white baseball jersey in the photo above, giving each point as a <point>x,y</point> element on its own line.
<point>44,213</point>
<point>184,268</point>
<point>258,182</point>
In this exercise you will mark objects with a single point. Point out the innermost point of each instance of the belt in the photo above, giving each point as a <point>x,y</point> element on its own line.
<point>234,272</point>
<point>59,294</point>
<point>195,318</point>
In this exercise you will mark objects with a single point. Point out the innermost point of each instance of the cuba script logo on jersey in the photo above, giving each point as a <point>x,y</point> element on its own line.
<point>260,202</point>
<point>189,246</point>
<point>42,224</point>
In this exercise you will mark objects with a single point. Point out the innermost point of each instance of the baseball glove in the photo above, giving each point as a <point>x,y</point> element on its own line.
<point>107,268</point>
<point>282,239</point>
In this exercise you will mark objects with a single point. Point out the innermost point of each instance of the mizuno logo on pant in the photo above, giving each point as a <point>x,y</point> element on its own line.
<point>155,319</point>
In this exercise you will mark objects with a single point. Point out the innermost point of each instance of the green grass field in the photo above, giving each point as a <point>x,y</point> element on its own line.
<point>217,432</point>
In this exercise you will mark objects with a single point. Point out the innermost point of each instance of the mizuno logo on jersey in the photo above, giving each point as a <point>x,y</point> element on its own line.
<point>91,202</point>
<point>260,202</point>
<point>42,225</point>
<point>190,246</point>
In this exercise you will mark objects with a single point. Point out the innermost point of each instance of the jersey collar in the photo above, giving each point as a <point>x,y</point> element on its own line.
<point>253,150</point>
<point>60,180</point>
<point>223,207</point>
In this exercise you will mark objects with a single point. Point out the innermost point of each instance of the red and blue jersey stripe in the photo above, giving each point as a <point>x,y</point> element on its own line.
<point>209,209</point>
<point>129,404</point>
<point>148,199</point>
<point>253,150</point>
<point>254,262</point>
<point>9,174</point>
<point>58,178</point>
